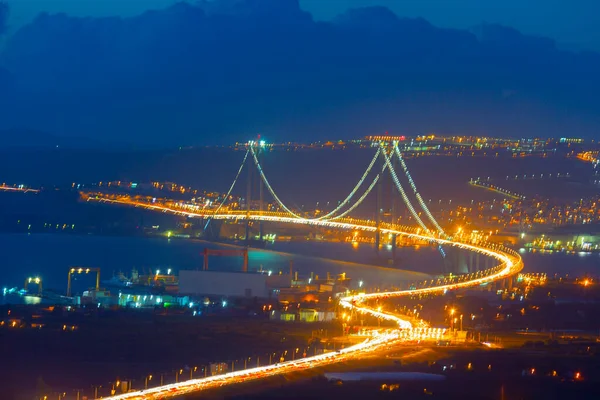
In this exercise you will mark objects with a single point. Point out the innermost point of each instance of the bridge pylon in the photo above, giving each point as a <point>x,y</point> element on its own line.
<point>248,201</point>
<point>378,218</point>
<point>260,193</point>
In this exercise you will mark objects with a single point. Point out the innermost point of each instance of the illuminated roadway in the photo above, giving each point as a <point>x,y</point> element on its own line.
<point>17,189</point>
<point>510,263</point>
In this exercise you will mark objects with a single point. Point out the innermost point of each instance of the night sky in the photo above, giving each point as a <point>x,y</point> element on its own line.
<point>220,72</point>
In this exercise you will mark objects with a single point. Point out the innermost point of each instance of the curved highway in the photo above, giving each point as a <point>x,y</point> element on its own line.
<point>509,264</point>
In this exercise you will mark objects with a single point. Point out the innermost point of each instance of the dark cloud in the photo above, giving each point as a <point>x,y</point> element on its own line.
<point>220,72</point>
<point>3,17</point>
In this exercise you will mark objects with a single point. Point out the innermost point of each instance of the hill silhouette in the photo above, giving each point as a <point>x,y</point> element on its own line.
<point>221,71</point>
<point>3,17</point>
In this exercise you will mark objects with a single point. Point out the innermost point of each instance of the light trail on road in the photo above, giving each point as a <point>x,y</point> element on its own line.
<point>17,189</point>
<point>510,264</point>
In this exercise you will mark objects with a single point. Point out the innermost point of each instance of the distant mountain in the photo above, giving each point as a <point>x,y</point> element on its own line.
<point>3,17</point>
<point>222,71</point>
<point>288,10</point>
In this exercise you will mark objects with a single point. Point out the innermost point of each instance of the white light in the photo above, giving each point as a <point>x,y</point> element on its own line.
<point>360,283</point>
<point>169,271</point>
<point>224,303</point>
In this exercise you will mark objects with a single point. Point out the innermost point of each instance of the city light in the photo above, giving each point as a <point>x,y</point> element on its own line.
<point>509,264</point>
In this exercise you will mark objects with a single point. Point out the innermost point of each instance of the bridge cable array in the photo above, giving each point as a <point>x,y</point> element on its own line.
<point>353,192</point>
<point>268,185</point>
<point>416,192</point>
<point>365,194</point>
<point>230,189</point>
<point>403,193</point>
<point>387,165</point>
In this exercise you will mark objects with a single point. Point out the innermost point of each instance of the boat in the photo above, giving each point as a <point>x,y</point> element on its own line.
<point>118,280</point>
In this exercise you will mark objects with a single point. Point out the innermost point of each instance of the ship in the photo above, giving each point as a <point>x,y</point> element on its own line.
<point>118,280</point>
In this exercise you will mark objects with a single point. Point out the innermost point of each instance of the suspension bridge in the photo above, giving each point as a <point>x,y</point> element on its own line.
<point>507,262</point>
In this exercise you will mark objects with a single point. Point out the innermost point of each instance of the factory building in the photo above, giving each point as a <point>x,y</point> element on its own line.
<point>229,284</point>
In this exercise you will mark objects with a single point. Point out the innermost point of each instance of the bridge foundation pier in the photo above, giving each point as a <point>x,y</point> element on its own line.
<point>471,263</point>
<point>247,238</point>
<point>509,283</point>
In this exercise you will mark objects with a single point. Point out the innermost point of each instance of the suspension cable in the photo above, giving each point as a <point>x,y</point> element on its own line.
<point>364,195</point>
<point>353,192</point>
<point>403,193</point>
<point>416,192</point>
<point>230,189</point>
<point>266,182</point>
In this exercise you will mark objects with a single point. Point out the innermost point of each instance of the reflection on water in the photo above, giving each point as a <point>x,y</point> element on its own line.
<point>50,256</point>
<point>578,264</point>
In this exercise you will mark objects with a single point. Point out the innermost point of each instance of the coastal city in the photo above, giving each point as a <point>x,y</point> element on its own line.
<point>299,199</point>
<point>305,308</point>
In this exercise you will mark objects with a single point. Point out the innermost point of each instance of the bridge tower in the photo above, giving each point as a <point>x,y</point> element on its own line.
<point>393,191</point>
<point>378,216</point>
<point>248,199</point>
<point>260,189</point>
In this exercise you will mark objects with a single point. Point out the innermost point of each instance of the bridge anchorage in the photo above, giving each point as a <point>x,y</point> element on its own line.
<point>506,263</point>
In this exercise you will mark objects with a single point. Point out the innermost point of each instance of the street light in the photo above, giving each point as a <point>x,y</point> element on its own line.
<point>148,378</point>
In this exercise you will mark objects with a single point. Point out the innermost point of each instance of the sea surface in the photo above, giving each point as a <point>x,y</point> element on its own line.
<point>49,256</point>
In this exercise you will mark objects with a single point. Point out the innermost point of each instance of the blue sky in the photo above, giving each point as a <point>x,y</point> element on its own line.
<point>573,23</point>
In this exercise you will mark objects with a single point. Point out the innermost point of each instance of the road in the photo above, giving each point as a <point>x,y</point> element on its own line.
<point>510,263</point>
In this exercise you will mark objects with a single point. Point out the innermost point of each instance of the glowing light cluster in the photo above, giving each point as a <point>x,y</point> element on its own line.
<point>409,329</point>
<point>194,385</point>
<point>510,264</point>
